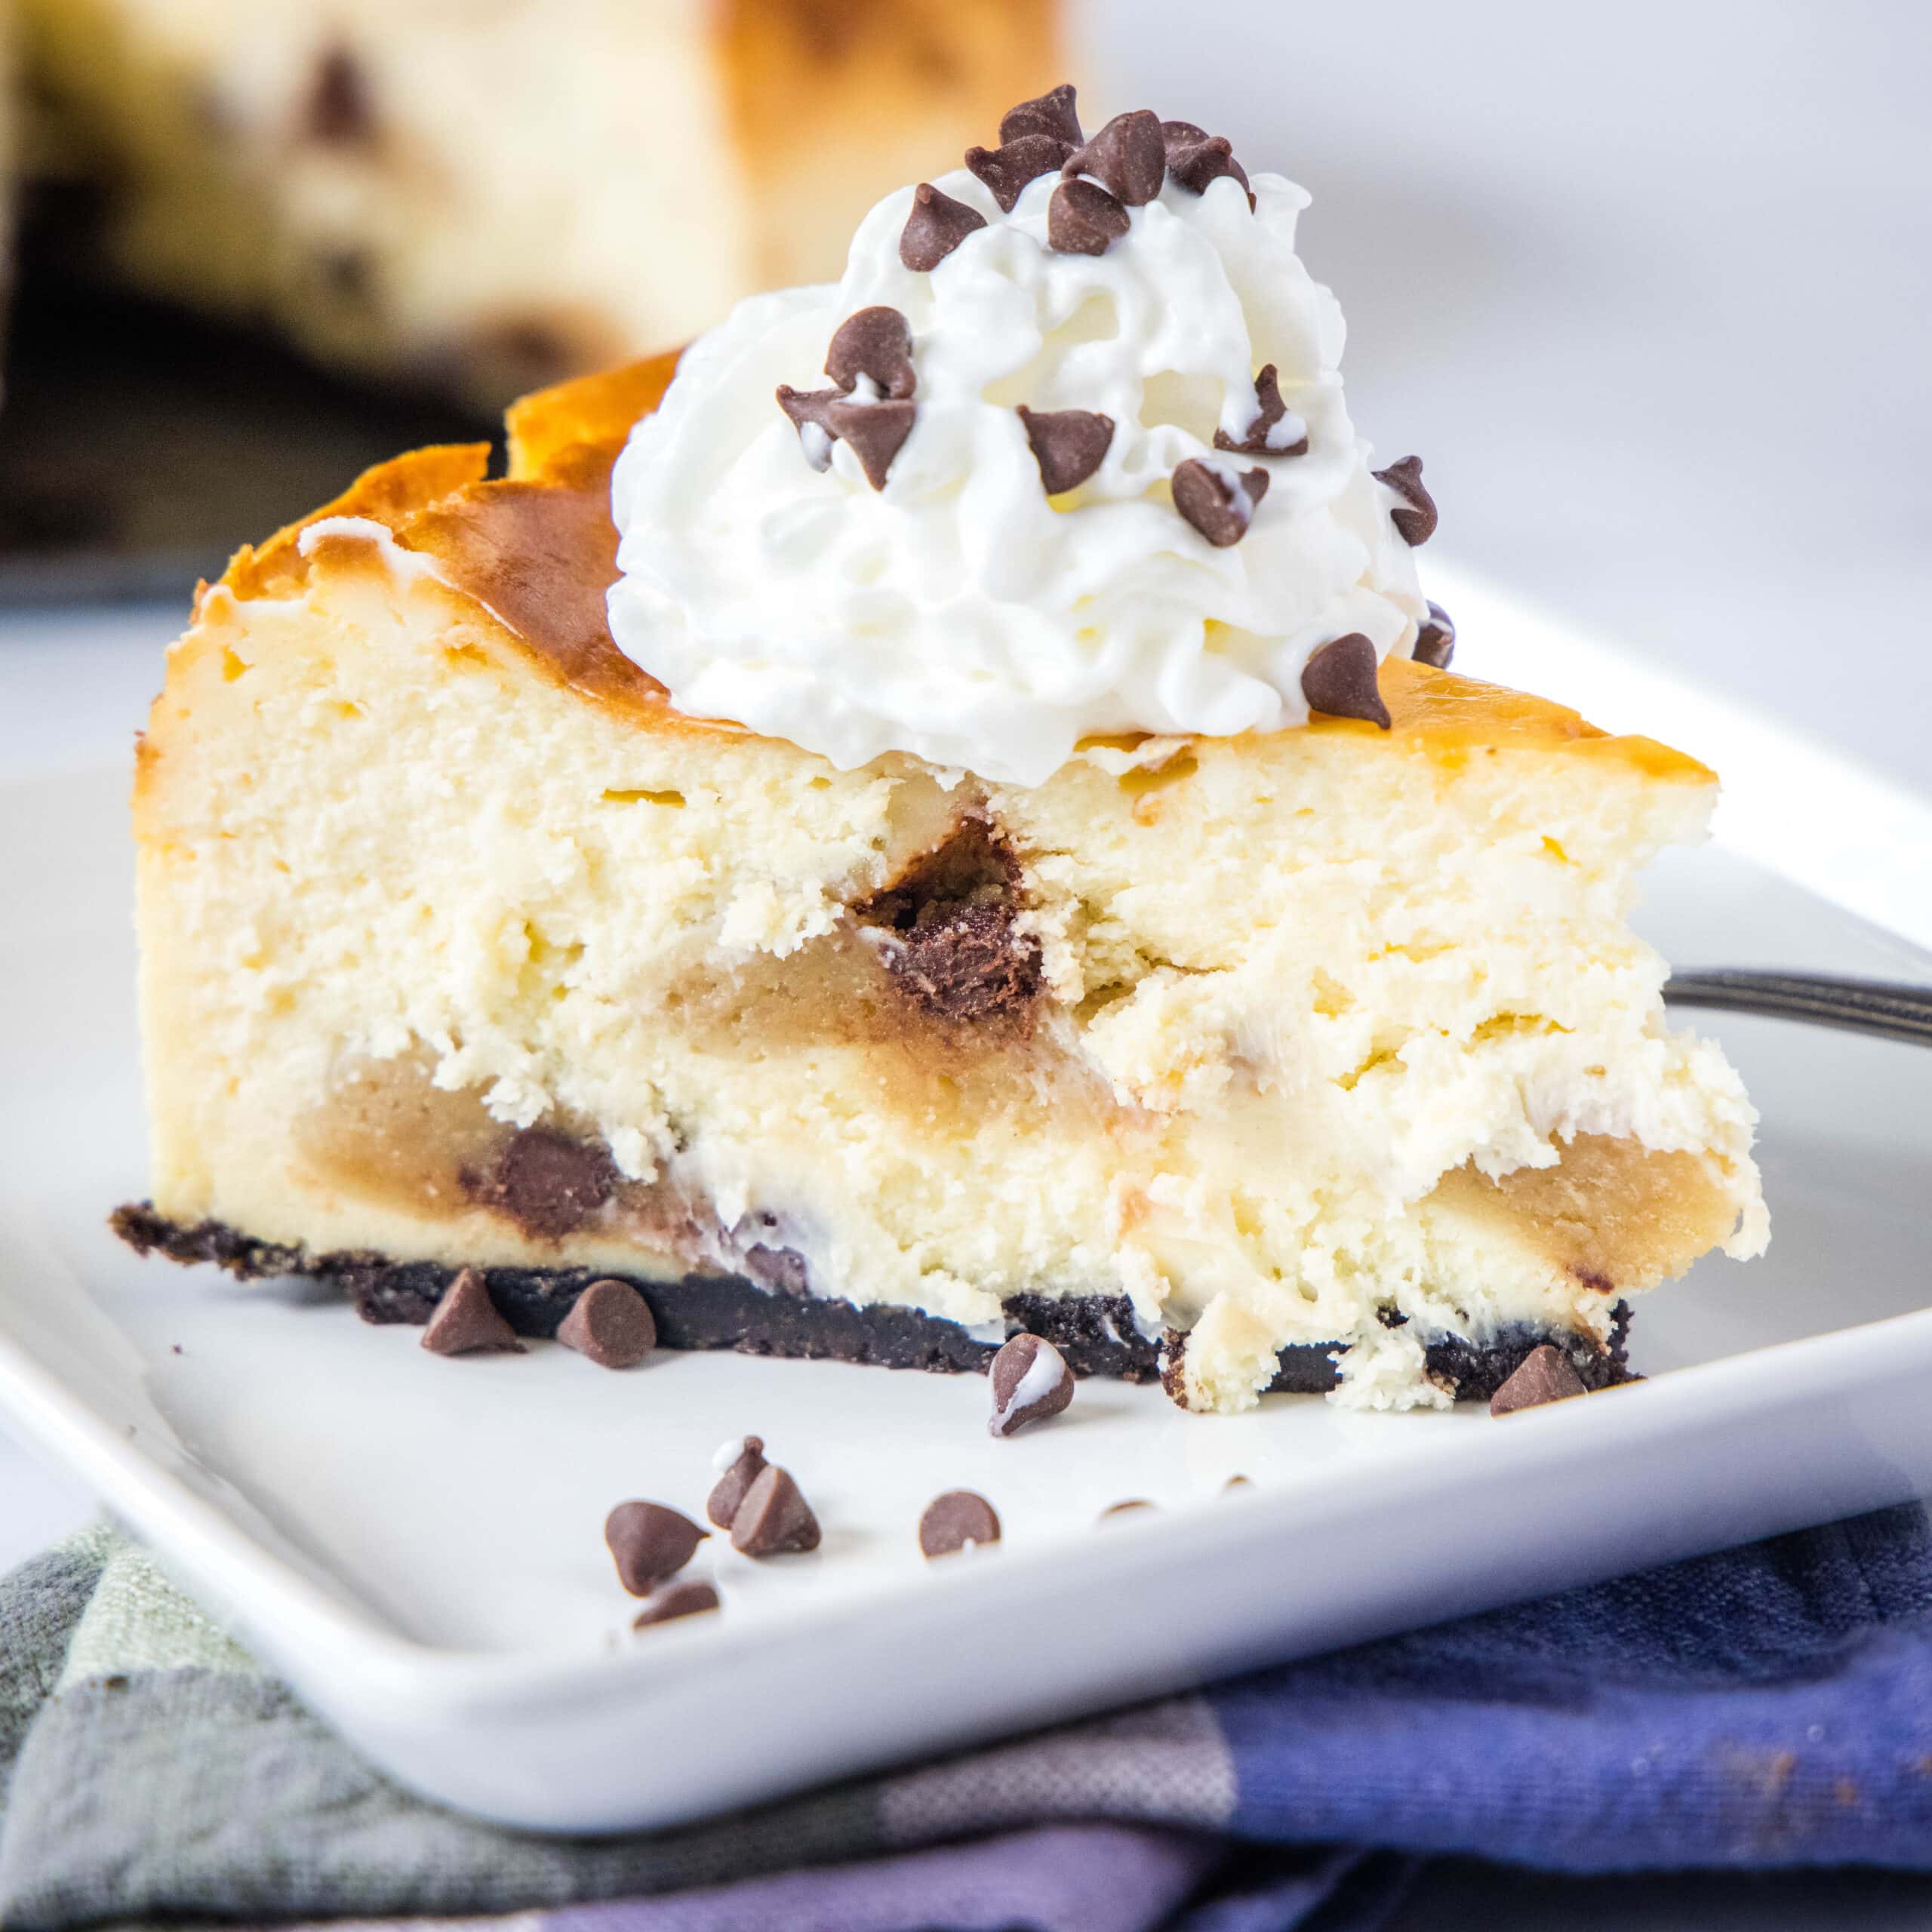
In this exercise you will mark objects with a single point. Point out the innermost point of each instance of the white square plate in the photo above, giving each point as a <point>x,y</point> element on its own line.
<point>416,1543</point>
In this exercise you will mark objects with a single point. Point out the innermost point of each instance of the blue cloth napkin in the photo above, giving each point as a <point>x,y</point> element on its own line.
<point>1770,1706</point>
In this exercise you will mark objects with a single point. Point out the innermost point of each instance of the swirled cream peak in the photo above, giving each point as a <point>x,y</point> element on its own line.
<point>1090,472</point>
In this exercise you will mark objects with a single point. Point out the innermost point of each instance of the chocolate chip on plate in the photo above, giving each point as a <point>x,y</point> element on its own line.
<point>1031,1381</point>
<point>1237,1482</point>
<point>1195,158</point>
<point>688,1596</point>
<point>1435,641</point>
<point>1068,444</point>
<point>1128,157</point>
<point>738,1465</point>
<point>1004,172</point>
<point>1051,114</point>
<point>875,431</point>
<point>1083,219</point>
<point>1275,430</point>
<point>1126,1509</point>
<point>1414,517</point>
<point>877,342</point>
<point>807,408</point>
<point>774,1518</point>
<point>650,1542</point>
<point>1219,502</point>
<point>936,226</point>
<point>611,1323</point>
<point>959,1520</point>
<point>1544,1375</point>
<point>1339,681</point>
<point>466,1322</point>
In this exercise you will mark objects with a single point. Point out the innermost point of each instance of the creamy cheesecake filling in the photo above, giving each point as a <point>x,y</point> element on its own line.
<point>1283,1039</point>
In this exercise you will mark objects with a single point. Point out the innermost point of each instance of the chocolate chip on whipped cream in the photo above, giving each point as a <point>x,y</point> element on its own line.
<point>936,226</point>
<point>1005,171</point>
<point>1544,1375</point>
<point>807,408</point>
<point>961,1519</point>
<point>1083,219</point>
<point>466,1322</point>
<point>1219,502</point>
<point>1052,114</point>
<point>873,347</point>
<point>877,344</point>
<point>1339,681</point>
<point>1275,431</point>
<point>1131,1507</point>
<point>688,1596</point>
<point>875,431</point>
<point>649,1542</point>
<point>1414,517</point>
<point>774,1519</point>
<point>1195,158</point>
<point>739,1465</point>
<point>1031,1381</point>
<point>1435,641</point>
<point>1068,444</point>
<point>1128,157</point>
<point>611,1323</point>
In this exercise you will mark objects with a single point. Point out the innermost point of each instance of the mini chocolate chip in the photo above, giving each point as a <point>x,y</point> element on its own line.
<point>1236,1482</point>
<point>936,226</point>
<point>649,1542</point>
<point>1435,642</point>
<point>1068,444</point>
<point>466,1322</point>
<point>959,1520</point>
<point>783,1270</point>
<point>876,342</point>
<point>1005,171</point>
<point>338,113</point>
<point>807,408</point>
<point>609,1322</point>
<point>875,431</point>
<point>1051,113</point>
<point>1083,219</point>
<point>1126,1509</point>
<point>1339,681</point>
<point>1219,504</point>
<point>1414,517</point>
<point>689,1596</point>
<point>1128,157</point>
<point>774,1518</point>
<point>1031,1381</point>
<point>548,1182</point>
<point>735,1477</point>
<point>1275,431</point>
<point>1544,1375</point>
<point>1195,158</point>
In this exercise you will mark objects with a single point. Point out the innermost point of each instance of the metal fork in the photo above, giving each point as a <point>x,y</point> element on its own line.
<point>1892,1010</point>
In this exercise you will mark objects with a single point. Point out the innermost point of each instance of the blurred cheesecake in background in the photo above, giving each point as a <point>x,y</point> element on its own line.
<point>477,200</point>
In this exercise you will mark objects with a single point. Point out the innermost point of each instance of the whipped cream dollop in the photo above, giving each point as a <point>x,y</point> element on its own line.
<point>956,611</point>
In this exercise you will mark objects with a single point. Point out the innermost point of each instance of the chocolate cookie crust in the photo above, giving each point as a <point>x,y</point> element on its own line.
<point>1097,1335</point>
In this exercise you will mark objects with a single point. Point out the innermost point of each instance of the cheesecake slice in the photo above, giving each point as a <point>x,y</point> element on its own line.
<point>1316,1058</point>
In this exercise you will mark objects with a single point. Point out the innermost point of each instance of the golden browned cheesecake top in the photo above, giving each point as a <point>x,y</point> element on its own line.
<point>538,547</point>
